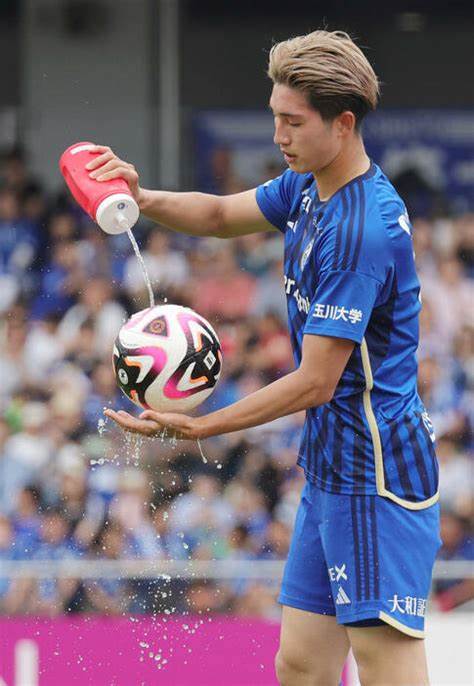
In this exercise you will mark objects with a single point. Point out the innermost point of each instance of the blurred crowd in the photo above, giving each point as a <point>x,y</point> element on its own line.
<point>73,487</point>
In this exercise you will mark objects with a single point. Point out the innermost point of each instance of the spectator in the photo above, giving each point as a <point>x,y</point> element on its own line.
<point>96,304</point>
<point>273,354</point>
<point>258,601</point>
<point>107,595</point>
<point>269,294</point>
<point>26,520</point>
<point>42,350</point>
<point>130,508</point>
<point>204,597</point>
<point>457,545</point>
<point>276,542</point>
<point>12,357</point>
<point>226,293</point>
<point>13,593</point>
<point>60,281</point>
<point>18,249</point>
<point>167,269</point>
<point>249,507</point>
<point>52,596</point>
<point>29,450</point>
<point>14,172</point>
<point>439,394</point>
<point>464,232</point>
<point>452,295</point>
<point>202,514</point>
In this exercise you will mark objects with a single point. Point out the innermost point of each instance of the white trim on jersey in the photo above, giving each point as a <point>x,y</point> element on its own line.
<point>377,444</point>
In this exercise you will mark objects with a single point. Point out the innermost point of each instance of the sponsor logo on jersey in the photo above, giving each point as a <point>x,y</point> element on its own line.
<point>306,254</point>
<point>336,312</point>
<point>342,598</point>
<point>302,302</point>
<point>408,605</point>
<point>337,573</point>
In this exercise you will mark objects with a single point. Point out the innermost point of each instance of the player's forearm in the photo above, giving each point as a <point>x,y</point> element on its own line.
<point>292,393</point>
<point>197,214</point>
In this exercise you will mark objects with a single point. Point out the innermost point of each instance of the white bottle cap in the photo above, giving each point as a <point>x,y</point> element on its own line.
<point>117,213</point>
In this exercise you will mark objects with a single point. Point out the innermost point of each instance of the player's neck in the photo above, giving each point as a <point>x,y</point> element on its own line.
<point>351,162</point>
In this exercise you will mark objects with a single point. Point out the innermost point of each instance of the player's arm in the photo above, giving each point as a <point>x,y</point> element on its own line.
<point>312,384</point>
<point>202,214</point>
<point>197,214</point>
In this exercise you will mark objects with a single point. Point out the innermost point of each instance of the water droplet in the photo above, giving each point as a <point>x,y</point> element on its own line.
<point>204,458</point>
<point>101,422</point>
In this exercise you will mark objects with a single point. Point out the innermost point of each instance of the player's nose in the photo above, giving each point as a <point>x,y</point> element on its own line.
<point>280,137</point>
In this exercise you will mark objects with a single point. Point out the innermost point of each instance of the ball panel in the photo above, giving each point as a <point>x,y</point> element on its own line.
<point>136,369</point>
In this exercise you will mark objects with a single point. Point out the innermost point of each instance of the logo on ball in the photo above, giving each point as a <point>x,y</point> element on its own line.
<point>157,327</point>
<point>123,376</point>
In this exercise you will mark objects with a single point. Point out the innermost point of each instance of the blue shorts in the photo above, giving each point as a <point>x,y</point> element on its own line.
<point>364,559</point>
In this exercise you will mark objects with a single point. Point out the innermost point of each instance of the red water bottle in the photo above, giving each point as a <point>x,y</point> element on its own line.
<point>109,203</point>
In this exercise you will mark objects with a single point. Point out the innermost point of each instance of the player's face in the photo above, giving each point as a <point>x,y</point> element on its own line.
<point>307,142</point>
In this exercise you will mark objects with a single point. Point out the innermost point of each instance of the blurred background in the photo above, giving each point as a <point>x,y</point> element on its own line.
<point>92,524</point>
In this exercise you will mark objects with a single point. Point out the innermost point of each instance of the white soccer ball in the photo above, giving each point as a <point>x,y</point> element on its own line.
<point>167,358</point>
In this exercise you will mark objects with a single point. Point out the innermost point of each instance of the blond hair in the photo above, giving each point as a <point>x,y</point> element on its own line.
<point>330,69</point>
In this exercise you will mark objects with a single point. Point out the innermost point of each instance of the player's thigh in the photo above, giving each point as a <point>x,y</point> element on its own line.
<point>388,657</point>
<point>312,643</point>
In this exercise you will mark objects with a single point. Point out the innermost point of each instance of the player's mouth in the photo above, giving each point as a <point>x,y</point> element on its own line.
<point>289,159</point>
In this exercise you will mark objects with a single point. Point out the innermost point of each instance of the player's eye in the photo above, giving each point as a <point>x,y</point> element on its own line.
<point>294,125</point>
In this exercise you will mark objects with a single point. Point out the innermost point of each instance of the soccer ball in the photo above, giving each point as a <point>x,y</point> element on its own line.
<point>167,358</point>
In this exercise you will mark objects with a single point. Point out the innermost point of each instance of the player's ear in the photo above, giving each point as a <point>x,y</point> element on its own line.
<point>345,123</point>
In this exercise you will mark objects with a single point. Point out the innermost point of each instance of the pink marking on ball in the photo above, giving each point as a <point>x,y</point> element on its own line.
<point>171,388</point>
<point>158,355</point>
<point>136,319</point>
<point>185,317</point>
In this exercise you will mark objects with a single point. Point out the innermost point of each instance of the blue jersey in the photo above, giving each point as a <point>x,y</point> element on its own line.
<point>350,273</point>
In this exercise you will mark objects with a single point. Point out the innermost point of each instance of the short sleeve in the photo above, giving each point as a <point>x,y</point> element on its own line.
<point>342,305</point>
<point>276,198</point>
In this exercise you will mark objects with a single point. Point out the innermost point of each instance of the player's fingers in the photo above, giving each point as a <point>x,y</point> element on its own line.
<point>178,426</point>
<point>168,419</point>
<point>100,148</point>
<point>123,413</point>
<point>151,414</point>
<point>108,165</point>
<point>120,172</point>
<point>101,159</point>
<point>122,418</point>
<point>135,427</point>
<point>112,414</point>
<point>130,423</point>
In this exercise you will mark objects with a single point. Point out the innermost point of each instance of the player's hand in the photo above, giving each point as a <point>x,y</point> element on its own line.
<point>151,423</point>
<point>107,165</point>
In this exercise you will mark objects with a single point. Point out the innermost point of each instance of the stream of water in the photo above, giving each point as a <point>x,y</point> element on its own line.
<point>143,266</point>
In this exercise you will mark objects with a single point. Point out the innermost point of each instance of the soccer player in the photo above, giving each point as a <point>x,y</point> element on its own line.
<point>366,533</point>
